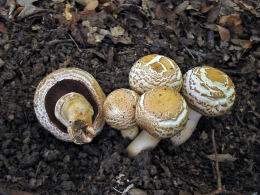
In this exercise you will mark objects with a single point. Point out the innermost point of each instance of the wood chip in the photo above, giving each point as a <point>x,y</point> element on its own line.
<point>222,157</point>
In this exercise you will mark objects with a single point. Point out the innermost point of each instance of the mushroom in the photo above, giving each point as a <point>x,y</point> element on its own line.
<point>69,104</point>
<point>119,111</point>
<point>209,92</point>
<point>153,71</point>
<point>161,113</point>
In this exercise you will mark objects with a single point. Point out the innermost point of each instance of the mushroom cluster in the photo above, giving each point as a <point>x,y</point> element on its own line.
<point>69,103</point>
<point>207,90</point>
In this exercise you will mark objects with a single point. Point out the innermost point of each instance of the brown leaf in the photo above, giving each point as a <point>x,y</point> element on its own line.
<point>182,7</point>
<point>212,27</point>
<point>213,14</point>
<point>206,9</point>
<point>92,5</point>
<point>233,21</point>
<point>117,31</point>
<point>246,44</point>
<point>159,12</point>
<point>3,29</point>
<point>224,33</point>
<point>67,13</point>
<point>230,20</point>
<point>222,157</point>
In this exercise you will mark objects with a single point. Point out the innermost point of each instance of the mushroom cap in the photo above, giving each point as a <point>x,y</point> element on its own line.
<point>153,71</point>
<point>119,109</point>
<point>208,90</point>
<point>162,111</point>
<point>59,83</point>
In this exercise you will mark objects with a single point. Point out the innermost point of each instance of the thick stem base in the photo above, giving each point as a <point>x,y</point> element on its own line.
<point>144,141</point>
<point>186,133</point>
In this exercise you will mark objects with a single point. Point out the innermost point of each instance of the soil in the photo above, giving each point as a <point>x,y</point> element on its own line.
<point>106,42</point>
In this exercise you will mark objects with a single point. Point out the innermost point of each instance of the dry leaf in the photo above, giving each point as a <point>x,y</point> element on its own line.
<point>246,44</point>
<point>92,5</point>
<point>83,2</point>
<point>159,12</point>
<point>222,157</point>
<point>67,13</point>
<point>136,191</point>
<point>212,27</point>
<point>3,29</point>
<point>206,9</point>
<point>27,11</point>
<point>233,21</point>
<point>25,2</point>
<point>182,7</point>
<point>117,31</point>
<point>230,20</point>
<point>213,14</point>
<point>224,33</point>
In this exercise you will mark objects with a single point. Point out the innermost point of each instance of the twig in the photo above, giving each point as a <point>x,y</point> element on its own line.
<point>75,42</point>
<point>220,189</point>
<point>216,160</point>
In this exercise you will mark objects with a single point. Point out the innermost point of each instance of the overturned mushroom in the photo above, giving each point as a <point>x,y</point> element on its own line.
<point>69,103</point>
<point>161,113</point>
<point>152,71</point>
<point>209,92</point>
<point>119,111</point>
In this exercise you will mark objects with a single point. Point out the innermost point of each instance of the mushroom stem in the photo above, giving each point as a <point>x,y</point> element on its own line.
<point>75,112</point>
<point>144,141</point>
<point>187,131</point>
<point>130,133</point>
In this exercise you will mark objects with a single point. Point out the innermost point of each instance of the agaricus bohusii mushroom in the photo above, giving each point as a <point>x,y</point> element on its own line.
<point>69,103</point>
<point>209,92</point>
<point>161,113</point>
<point>119,111</point>
<point>152,71</point>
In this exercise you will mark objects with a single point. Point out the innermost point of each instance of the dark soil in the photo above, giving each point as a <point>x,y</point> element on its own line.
<point>33,160</point>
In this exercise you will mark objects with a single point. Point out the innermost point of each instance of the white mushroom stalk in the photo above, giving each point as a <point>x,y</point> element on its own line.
<point>69,104</point>
<point>75,112</point>
<point>119,111</point>
<point>161,112</point>
<point>209,92</point>
<point>189,128</point>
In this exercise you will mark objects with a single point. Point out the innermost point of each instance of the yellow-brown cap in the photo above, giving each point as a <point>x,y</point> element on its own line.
<point>208,90</point>
<point>153,71</point>
<point>119,109</point>
<point>162,112</point>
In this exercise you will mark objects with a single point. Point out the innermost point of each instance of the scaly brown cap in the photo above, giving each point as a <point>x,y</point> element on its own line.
<point>208,90</point>
<point>119,109</point>
<point>153,71</point>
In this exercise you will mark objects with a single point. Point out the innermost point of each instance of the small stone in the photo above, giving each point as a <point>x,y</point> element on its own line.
<point>64,177</point>
<point>204,135</point>
<point>51,155</point>
<point>136,191</point>
<point>32,183</point>
<point>67,185</point>
<point>66,159</point>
